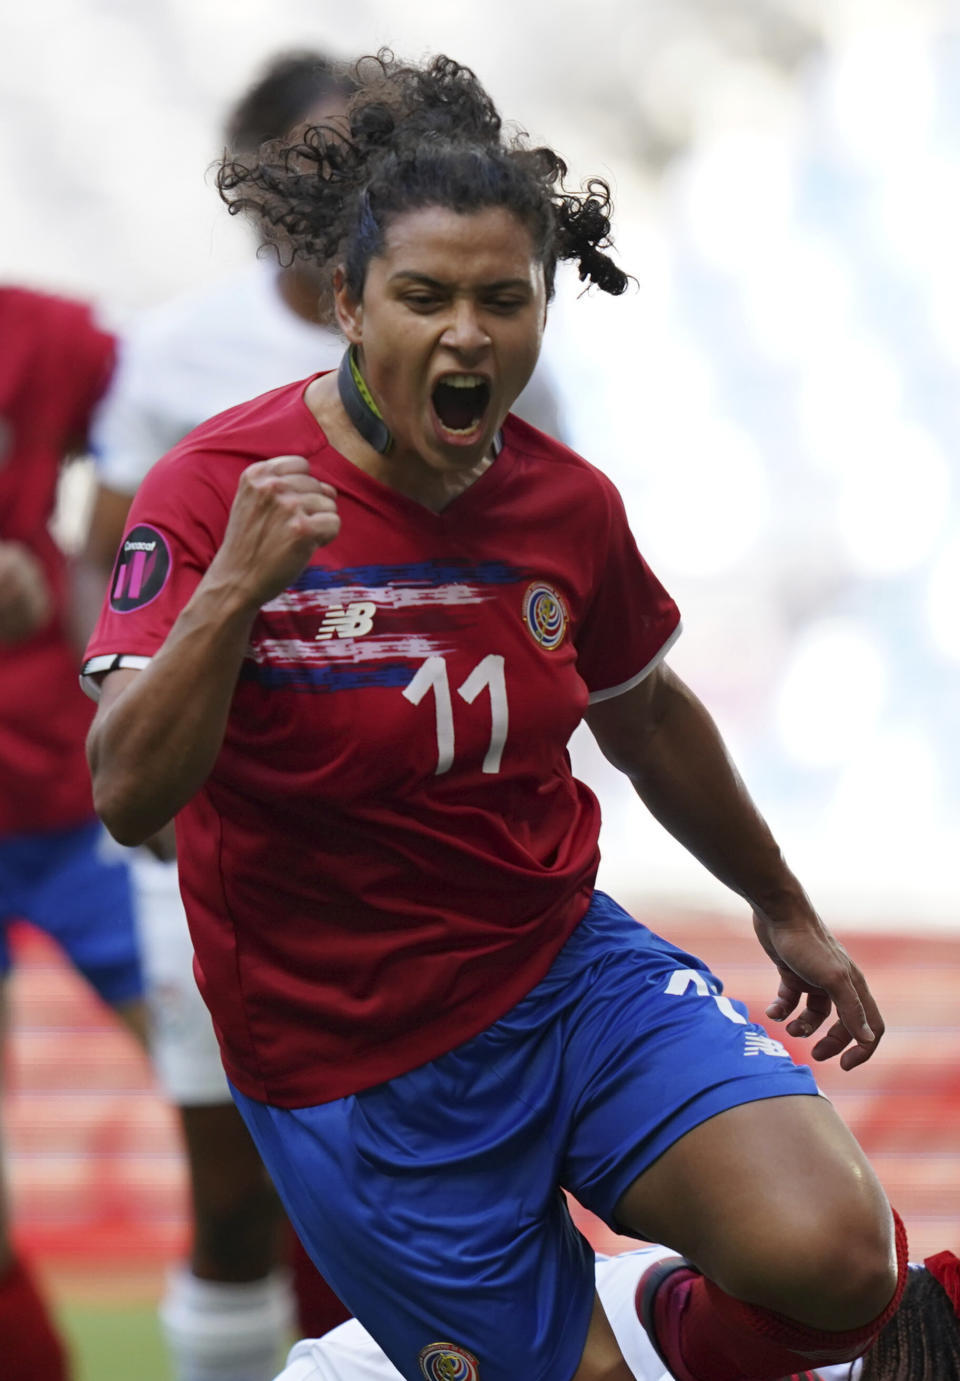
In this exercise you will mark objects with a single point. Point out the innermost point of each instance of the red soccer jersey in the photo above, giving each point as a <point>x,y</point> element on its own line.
<point>54,366</point>
<point>391,847</point>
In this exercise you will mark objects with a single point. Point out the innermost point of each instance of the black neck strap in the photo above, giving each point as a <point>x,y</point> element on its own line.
<point>363,412</point>
<point>358,403</point>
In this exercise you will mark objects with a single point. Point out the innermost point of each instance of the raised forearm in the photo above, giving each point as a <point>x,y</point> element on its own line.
<point>157,733</point>
<point>661,736</point>
<point>153,744</point>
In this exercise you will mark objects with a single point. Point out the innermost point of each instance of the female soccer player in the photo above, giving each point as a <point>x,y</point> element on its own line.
<point>351,627</point>
<point>920,1343</point>
<point>179,364</point>
<point>57,868</point>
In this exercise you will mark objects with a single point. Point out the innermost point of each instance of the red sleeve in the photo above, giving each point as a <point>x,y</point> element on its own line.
<point>631,622</point>
<point>92,369</point>
<point>174,530</point>
<point>57,362</point>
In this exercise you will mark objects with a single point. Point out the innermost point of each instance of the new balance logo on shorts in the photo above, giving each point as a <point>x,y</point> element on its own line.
<point>756,1044</point>
<point>351,622</point>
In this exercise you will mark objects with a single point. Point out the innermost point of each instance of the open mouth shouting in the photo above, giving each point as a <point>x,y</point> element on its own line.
<point>459,404</point>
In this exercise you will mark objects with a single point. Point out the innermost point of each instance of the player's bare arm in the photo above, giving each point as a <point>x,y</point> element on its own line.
<point>661,736</point>
<point>157,732</point>
<point>25,602</point>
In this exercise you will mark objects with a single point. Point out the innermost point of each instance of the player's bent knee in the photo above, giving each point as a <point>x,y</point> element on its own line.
<point>832,1273</point>
<point>859,1276</point>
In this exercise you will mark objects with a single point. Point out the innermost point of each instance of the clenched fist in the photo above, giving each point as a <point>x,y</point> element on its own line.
<point>25,600</point>
<point>280,515</point>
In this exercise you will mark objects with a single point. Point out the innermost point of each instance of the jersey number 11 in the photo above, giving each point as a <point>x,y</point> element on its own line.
<point>432,675</point>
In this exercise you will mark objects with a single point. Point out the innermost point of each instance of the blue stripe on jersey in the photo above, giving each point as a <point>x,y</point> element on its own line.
<point>327,678</point>
<point>417,573</point>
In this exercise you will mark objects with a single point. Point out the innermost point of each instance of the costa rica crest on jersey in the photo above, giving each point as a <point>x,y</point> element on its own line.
<point>448,1362</point>
<point>545,615</point>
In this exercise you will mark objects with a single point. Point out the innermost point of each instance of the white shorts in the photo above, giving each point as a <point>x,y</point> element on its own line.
<point>186,1056</point>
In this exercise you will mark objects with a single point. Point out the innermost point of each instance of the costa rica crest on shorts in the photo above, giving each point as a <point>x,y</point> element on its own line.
<point>545,615</point>
<point>448,1362</point>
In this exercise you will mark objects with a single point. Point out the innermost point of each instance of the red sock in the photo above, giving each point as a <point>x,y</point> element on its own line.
<point>723,1339</point>
<point>30,1347</point>
<point>318,1308</point>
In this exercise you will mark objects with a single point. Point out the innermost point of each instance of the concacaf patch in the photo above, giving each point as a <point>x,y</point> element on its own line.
<point>447,1362</point>
<point>141,570</point>
<point>545,615</point>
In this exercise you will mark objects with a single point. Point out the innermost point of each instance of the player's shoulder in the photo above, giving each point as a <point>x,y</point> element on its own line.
<point>563,468</point>
<point>36,303</point>
<point>524,437</point>
<point>55,365</point>
<point>35,316</point>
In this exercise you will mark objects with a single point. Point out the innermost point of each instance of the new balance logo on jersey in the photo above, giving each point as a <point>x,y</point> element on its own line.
<point>351,622</point>
<point>756,1044</point>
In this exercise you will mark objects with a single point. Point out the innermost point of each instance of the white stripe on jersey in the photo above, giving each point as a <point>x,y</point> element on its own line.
<point>383,596</point>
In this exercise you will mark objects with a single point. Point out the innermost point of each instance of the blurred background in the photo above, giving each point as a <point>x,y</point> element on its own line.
<point>778,398</point>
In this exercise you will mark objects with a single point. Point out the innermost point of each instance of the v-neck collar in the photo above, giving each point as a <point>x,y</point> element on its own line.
<point>352,476</point>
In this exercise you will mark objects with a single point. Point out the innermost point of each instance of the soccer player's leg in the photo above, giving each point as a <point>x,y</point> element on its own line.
<point>227,1311</point>
<point>795,1244</point>
<point>83,897</point>
<point>432,1205</point>
<point>30,1344</point>
<point>699,1131</point>
<point>62,882</point>
<point>601,1359</point>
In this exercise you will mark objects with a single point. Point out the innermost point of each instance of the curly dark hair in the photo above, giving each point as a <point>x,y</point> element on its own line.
<point>922,1340</point>
<point>416,137</point>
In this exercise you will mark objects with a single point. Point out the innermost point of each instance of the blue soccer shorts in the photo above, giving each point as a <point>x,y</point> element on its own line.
<point>433,1203</point>
<point>75,885</point>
